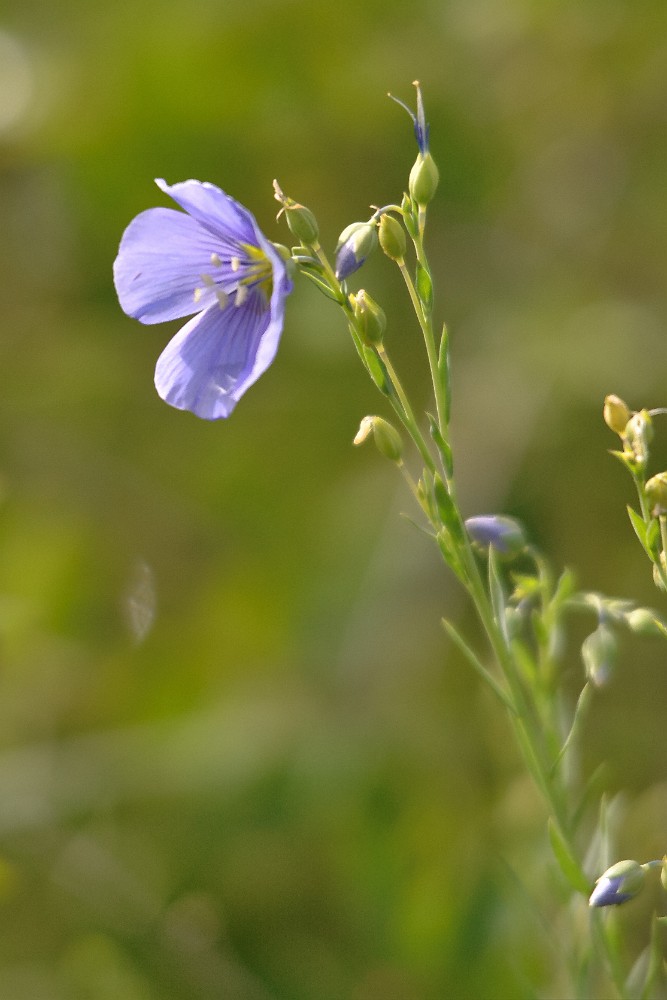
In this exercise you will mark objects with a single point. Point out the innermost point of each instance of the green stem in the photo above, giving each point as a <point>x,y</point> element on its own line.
<point>407,415</point>
<point>426,324</point>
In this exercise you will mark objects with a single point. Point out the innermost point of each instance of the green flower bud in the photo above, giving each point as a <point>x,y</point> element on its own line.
<point>599,651</point>
<point>643,621</point>
<point>621,882</point>
<point>424,178</point>
<point>409,218</point>
<point>301,221</point>
<point>392,237</point>
<point>387,439</point>
<point>656,494</point>
<point>616,414</point>
<point>638,435</point>
<point>370,317</point>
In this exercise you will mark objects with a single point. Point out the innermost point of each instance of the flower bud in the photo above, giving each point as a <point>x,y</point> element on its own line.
<point>392,237</point>
<point>409,219</point>
<point>387,439</point>
<point>424,179</point>
<point>355,243</point>
<point>643,621</point>
<point>621,882</point>
<point>504,533</point>
<point>370,317</point>
<point>599,652</point>
<point>656,494</point>
<point>616,414</point>
<point>301,221</point>
<point>638,435</point>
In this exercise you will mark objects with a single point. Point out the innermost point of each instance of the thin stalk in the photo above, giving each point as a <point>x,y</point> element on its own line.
<point>426,325</point>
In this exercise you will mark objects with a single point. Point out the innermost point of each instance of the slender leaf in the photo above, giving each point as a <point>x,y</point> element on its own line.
<point>377,371</point>
<point>447,509</point>
<point>450,554</point>
<point>442,446</point>
<point>640,529</point>
<point>472,659</point>
<point>444,371</point>
<point>653,538</point>
<point>321,283</point>
<point>497,592</point>
<point>655,965</point>
<point>583,701</point>
<point>569,866</point>
<point>424,286</point>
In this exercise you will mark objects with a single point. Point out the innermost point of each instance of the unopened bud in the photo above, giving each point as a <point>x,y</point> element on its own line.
<point>301,221</point>
<point>355,243</point>
<point>370,317</point>
<point>621,882</point>
<point>599,652</point>
<point>424,179</point>
<point>616,414</point>
<point>643,621</point>
<point>638,435</point>
<point>504,533</point>
<point>656,494</point>
<point>392,237</point>
<point>411,222</point>
<point>387,439</point>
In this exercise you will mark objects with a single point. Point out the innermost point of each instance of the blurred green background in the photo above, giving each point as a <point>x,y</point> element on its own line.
<point>238,758</point>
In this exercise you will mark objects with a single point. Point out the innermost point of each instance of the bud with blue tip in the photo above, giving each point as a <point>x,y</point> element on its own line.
<point>504,533</point>
<point>621,882</point>
<point>355,243</point>
<point>424,176</point>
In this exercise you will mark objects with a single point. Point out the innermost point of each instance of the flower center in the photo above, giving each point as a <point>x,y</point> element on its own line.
<point>254,270</point>
<point>251,269</point>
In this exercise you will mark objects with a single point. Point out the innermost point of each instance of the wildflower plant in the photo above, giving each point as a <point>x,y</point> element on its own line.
<point>211,261</point>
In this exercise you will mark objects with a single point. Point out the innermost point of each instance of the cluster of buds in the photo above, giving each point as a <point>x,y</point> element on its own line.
<point>636,432</point>
<point>634,429</point>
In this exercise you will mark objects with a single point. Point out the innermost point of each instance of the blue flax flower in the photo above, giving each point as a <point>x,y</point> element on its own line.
<point>213,262</point>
